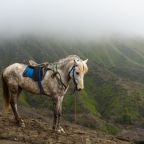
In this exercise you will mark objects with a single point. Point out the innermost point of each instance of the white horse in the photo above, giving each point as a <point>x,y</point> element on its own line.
<point>71,67</point>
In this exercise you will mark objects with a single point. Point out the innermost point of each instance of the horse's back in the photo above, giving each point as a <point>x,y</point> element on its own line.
<point>13,70</point>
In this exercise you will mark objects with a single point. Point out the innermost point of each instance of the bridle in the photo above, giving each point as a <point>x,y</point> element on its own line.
<point>72,70</point>
<point>73,76</point>
<point>55,73</point>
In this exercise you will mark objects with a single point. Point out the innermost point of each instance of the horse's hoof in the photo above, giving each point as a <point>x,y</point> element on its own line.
<point>21,123</point>
<point>60,130</point>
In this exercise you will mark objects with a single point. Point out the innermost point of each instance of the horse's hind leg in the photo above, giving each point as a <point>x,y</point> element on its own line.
<point>15,91</point>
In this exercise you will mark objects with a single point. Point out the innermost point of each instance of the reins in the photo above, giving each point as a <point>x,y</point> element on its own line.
<point>75,87</point>
<point>55,72</point>
<point>74,93</point>
<point>73,77</point>
<point>71,74</point>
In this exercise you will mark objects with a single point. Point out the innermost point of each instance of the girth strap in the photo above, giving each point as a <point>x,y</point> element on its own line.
<point>39,79</point>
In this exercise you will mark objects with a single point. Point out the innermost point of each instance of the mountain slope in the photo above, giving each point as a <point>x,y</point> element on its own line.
<point>114,89</point>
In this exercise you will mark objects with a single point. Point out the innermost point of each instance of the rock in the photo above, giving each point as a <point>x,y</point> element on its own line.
<point>15,139</point>
<point>132,135</point>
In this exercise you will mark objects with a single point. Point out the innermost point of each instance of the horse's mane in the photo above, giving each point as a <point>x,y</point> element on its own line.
<point>67,59</point>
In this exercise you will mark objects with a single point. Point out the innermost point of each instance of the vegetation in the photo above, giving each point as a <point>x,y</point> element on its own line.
<point>114,85</point>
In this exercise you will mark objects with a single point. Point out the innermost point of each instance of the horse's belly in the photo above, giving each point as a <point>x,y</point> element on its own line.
<point>29,85</point>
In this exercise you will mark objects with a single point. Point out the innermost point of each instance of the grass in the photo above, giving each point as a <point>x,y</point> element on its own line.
<point>104,100</point>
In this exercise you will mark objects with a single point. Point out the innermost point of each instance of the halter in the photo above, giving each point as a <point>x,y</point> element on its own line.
<point>73,76</point>
<point>55,72</point>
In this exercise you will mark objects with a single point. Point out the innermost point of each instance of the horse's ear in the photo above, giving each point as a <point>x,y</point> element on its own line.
<point>85,61</point>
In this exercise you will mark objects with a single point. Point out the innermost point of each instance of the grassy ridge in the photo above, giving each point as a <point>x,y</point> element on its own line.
<point>114,86</point>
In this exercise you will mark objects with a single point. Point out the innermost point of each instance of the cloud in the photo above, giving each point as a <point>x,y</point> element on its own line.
<point>72,17</point>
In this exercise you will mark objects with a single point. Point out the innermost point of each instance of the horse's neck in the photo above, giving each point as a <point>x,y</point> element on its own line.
<point>64,71</point>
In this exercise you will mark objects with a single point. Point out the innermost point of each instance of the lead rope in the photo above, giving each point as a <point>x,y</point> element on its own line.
<point>75,111</point>
<point>75,106</point>
<point>75,98</point>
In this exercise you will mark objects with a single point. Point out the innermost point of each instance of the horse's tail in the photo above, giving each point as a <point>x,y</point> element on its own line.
<point>6,95</point>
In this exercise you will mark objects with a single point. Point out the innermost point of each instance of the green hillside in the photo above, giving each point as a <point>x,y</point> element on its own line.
<point>114,85</point>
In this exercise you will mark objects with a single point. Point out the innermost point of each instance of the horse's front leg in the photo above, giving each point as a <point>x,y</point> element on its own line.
<point>57,114</point>
<point>14,92</point>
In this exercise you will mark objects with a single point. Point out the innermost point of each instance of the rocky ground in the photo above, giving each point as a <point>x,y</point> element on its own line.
<point>38,131</point>
<point>132,134</point>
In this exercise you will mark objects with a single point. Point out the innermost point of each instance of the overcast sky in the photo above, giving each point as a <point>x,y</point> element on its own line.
<point>72,17</point>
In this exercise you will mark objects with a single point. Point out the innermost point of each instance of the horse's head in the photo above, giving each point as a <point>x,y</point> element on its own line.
<point>77,73</point>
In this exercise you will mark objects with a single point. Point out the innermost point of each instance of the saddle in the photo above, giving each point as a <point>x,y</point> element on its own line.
<point>32,63</point>
<point>36,72</point>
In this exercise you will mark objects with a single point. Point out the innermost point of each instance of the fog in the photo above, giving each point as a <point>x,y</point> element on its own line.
<point>82,18</point>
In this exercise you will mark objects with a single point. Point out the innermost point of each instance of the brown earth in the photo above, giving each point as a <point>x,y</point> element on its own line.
<point>133,134</point>
<point>38,131</point>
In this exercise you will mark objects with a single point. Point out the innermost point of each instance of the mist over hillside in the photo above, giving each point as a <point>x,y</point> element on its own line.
<point>108,33</point>
<point>114,85</point>
<point>74,19</point>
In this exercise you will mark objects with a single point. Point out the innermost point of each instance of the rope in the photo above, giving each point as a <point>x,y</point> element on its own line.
<point>55,72</point>
<point>75,112</point>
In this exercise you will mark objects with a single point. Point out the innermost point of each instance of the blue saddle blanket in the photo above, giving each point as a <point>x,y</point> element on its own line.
<point>28,72</point>
<point>35,73</point>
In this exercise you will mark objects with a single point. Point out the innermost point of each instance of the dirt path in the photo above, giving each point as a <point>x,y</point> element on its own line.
<point>38,131</point>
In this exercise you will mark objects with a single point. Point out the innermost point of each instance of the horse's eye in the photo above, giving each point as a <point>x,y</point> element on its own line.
<point>77,73</point>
